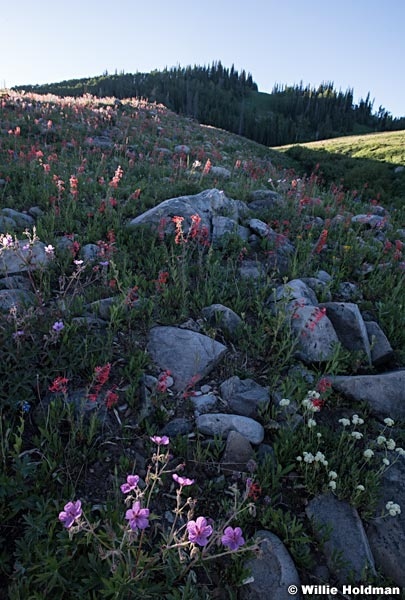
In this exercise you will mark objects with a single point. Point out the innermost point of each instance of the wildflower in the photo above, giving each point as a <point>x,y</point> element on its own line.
<point>332,485</point>
<point>344,422</point>
<point>26,406</point>
<point>111,398</point>
<point>102,373</point>
<point>59,385</point>
<point>131,484</point>
<point>389,422</point>
<point>391,444</point>
<point>18,334</point>
<point>356,420</point>
<point>284,402</point>
<point>381,440</point>
<point>400,451</point>
<point>71,512</point>
<point>160,441</point>
<point>323,385</point>
<point>182,481</point>
<point>49,250</point>
<point>311,423</point>
<point>254,491</point>
<point>332,475</point>
<point>385,461</point>
<point>138,517</point>
<point>393,508</point>
<point>58,326</point>
<point>308,457</point>
<point>199,531</point>
<point>360,487</point>
<point>357,435</point>
<point>320,457</point>
<point>299,458</point>
<point>368,453</point>
<point>117,177</point>
<point>233,538</point>
<point>321,242</point>
<point>207,167</point>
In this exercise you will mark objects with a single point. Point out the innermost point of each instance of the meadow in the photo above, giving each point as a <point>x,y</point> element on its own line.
<point>96,500</point>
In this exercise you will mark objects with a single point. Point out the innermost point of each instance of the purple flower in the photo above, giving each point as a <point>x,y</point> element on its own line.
<point>58,326</point>
<point>137,516</point>
<point>182,480</point>
<point>199,531</point>
<point>233,538</point>
<point>71,512</point>
<point>132,482</point>
<point>160,441</point>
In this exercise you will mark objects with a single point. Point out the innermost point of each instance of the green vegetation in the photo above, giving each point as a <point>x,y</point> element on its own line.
<point>369,165</point>
<point>222,97</point>
<point>73,423</point>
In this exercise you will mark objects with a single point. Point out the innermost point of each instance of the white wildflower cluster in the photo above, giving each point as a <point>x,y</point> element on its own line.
<point>308,402</point>
<point>360,487</point>
<point>332,476</point>
<point>284,402</point>
<point>389,422</point>
<point>393,508</point>
<point>345,422</point>
<point>400,451</point>
<point>311,423</point>
<point>357,435</point>
<point>368,453</point>
<point>309,458</point>
<point>356,420</point>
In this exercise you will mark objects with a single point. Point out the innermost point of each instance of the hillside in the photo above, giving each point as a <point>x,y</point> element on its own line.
<point>202,364</point>
<point>372,164</point>
<point>223,97</point>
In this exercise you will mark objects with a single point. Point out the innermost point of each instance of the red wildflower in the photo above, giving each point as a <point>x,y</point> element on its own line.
<point>59,385</point>
<point>322,241</point>
<point>102,373</point>
<point>111,397</point>
<point>254,491</point>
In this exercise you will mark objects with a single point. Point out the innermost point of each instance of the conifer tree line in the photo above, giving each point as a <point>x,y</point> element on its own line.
<point>225,98</point>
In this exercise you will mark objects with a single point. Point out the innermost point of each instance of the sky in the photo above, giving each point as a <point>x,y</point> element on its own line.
<point>358,44</point>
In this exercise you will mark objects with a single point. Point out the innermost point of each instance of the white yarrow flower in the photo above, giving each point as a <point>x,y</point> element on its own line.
<point>284,402</point>
<point>332,475</point>
<point>357,435</point>
<point>386,461</point>
<point>360,487</point>
<point>391,444</point>
<point>311,423</point>
<point>381,440</point>
<point>356,420</point>
<point>344,422</point>
<point>389,422</point>
<point>400,451</point>
<point>332,485</point>
<point>368,453</point>
<point>393,508</point>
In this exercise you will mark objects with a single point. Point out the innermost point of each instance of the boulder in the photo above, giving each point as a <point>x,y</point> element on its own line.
<point>222,423</point>
<point>188,355</point>
<point>338,526</point>
<point>244,397</point>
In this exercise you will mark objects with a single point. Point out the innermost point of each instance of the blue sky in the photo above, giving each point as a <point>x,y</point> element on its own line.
<point>354,43</point>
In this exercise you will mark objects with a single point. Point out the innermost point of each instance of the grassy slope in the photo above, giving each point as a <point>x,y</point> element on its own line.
<point>385,146</point>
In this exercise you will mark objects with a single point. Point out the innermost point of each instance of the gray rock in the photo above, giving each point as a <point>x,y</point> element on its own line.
<point>348,292</point>
<point>225,226</point>
<point>349,326</point>
<point>7,224</point>
<point>387,535</point>
<point>252,269</point>
<point>245,397</point>
<point>399,169</point>
<point>90,252</point>
<point>23,258</point>
<point>292,295</point>
<point>220,172</point>
<point>15,282</point>
<point>265,200</point>
<point>102,308</point>
<point>346,547</point>
<point>206,204</point>
<point>381,350</point>
<point>384,393</point>
<point>221,424</point>
<point>177,427</point>
<point>372,221</point>
<point>203,404</point>
<point>320,288</point>
<point>22,220</point>
<point>18,298</point>
<point>273,571</point>
<point>221,316</point>
<point>315,334</point>
<point>187,354</point>
<point>324,276</point>
<point>281,243</point>
<point>35,212</point>
<point>238,452</point>
<point>182,149</point>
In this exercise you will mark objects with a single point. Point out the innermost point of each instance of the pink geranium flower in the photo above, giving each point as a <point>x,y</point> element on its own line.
<point>138,517</point>
<point>199,531</point>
